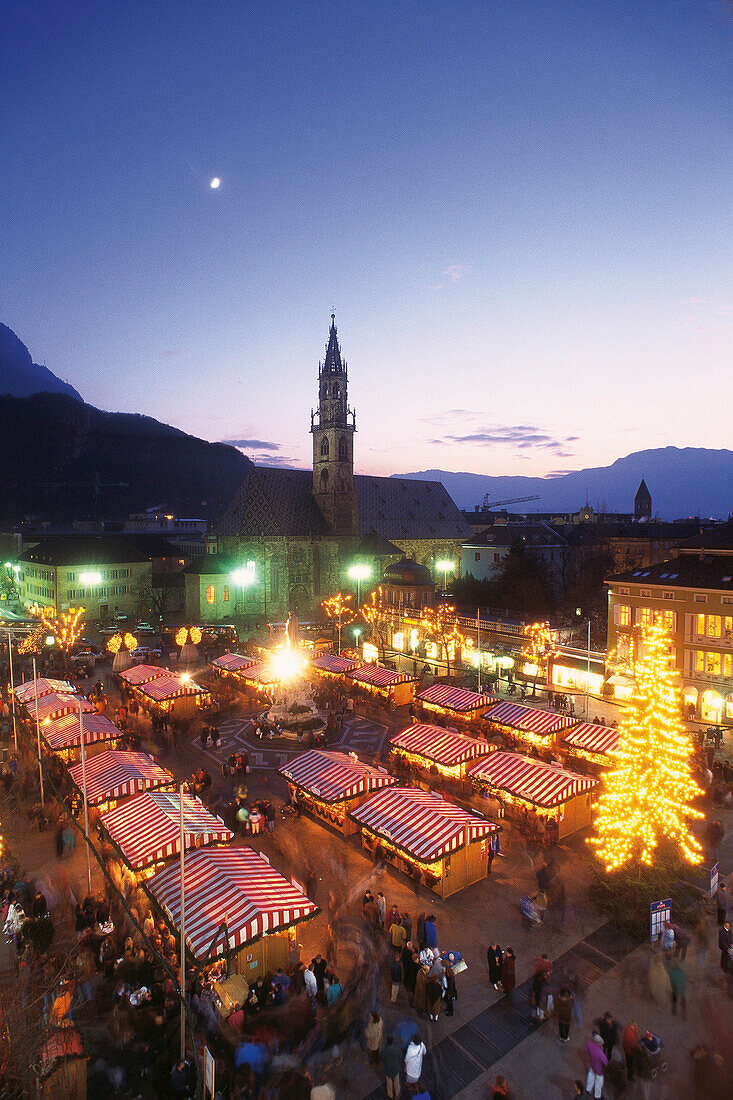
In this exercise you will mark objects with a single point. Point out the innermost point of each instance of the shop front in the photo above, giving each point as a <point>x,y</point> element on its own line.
<point>329,785</point>
<point>538,728</point>
<point>575,673</point>
<point>230,664</point>
<point>330,666</point>
<point>454,704</point>
<point>426,837</point>
<point>552,801</point>
<point>63,735</point>
<point>239,911</point>
<point>112,775</point>
<point>31,689</point>
<point>393,688</point>
<point>436,750</point>
<point>595,744</point>
<point>174,696</point>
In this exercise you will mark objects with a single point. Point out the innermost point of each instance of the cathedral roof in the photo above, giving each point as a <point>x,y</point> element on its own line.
<point>280,502</point>
<point>333,351</point>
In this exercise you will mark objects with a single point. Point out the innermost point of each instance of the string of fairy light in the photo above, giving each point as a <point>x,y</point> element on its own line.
<point>66,627</point>
<point>648,794</point>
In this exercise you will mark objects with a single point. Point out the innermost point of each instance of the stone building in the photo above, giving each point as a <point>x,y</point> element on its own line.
<point>288,538</point>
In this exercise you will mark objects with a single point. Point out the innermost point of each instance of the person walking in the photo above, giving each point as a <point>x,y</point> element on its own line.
<point>597,1063</point>
<point>632,1047</point>
<point>495,959</point>
<point>451,993</point>
<point>678,983</point>
<point>395,974</point>
<point>414,1055</point>
<point>564,1011</point>
<point>421,996</point>
<point>431,932</point>
<point>391,1058</point>
<point>721,902</point>
<point>434,993</point>
<point>725,942</point>
<point>410,969</point>
<point>373,1035</point>
<point>608,1030</point>
<point>398,936</point>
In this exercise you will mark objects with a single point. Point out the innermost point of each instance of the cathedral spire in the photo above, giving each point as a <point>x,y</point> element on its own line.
<point>333,362</point>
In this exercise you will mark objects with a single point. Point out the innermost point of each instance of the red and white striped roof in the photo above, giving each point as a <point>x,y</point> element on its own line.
<point>454,698</point>
<point>27,691</point>
<point>232,662</point>
<point>533,780</point>
<point>147,828</point>
<point>163,688</point>
<point>63,733</point>
<point>379,677</point>
<point>528,719</point>
<point>112,774</point>
<point>592,737</point>
<point>233,884</point>
<point>54,705</point>
<point>143,674</point>
<point>330,662</point>
<point>443,746</point>
<point>422,823</point>
<point>259,673</point>
<point>334,776</point>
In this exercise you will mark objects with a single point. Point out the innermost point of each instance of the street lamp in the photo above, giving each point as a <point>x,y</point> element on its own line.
<point>359,573</point>
<point>357,635</point>
<point>90,580</point>
<point>444,566</point>
<point>244,577</point>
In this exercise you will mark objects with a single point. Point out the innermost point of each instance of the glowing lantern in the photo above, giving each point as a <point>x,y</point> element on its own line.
<point>114,643</point>
<point>130,642</point>
<point>195,635</point>
<point>182,635</point>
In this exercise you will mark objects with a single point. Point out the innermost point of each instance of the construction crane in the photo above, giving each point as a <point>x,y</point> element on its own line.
<point>512,500</point>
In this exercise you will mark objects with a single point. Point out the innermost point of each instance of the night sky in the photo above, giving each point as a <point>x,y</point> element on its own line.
<point>520,211</point>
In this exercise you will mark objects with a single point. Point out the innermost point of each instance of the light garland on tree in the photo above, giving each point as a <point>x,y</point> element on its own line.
<point>32,643</point>
<point>337,607</point>
<point>66,628</point>
<point>647,794</point>
<point>188,635</point>
<point>539,647</point>
<point>117,641</point>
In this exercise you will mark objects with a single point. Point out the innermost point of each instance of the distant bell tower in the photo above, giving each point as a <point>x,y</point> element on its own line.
<point>333,425</point>
<point>642,503</point>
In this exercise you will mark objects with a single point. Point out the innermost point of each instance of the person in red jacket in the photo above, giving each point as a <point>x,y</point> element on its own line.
<point>630,1043</point>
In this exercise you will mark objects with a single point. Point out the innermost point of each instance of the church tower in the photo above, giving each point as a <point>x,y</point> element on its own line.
<point>333,425</point>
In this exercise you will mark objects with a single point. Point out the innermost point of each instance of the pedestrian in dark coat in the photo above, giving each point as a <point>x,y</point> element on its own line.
<point>608,1030</point>
<point>495,959</point>
<point>508,977</point>
<point>421,942</point>
<point>421,995</point>
<point>410,968</point>
<point>450,990</point>
<point>725,942</point>
<point>564,1010</point>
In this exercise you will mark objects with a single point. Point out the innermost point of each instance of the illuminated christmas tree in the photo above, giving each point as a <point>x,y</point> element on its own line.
<point>647,795</point>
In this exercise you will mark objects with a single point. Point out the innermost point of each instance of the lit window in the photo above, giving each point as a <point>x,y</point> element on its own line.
<point>713,664</point>
<point>700,624</point>
<point>225,594</point>
<point>624,615</point>
<point>728,627</point>
<point>727,664</point>
<point>699,661</point>
<point>210,594</point>
<point>713,626</point>
<point>645,616</point>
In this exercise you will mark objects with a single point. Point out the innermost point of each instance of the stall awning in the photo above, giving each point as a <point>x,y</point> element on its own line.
<point>24,693</point>
<point>232,662</point>
<point>592,737</point>
<point>142,674</point>
<point>63,733</point>
<point>330,662</point>
<point>443,746</point>
<point>423,824</point>
<point>533,780</point>
<point>54,705</point>
<point>376,676</point>
<point>259,673</point>
<point>334,776</point>
<point>167,687</point>
<point>454,698</point>
<point>528,719</point>
<point>147,829</point>
<point>113,774</point>
<point>236,884</point>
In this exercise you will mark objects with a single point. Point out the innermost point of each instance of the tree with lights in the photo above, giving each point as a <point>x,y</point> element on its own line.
<point>647,796</point>
<point>537,650</point>
<point>381,617</point>
<point>339,607</point>
<point>440,623</point>
<point>66,628</point>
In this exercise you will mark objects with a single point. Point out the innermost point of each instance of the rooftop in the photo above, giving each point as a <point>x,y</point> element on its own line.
<point>702,570</point>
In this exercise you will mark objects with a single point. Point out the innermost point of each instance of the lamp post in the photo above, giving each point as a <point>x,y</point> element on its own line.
<point>357,635</point>
<point>84,791</point>
<point>579,611</point>
<point>12,688</point>
<point>359,573</point>
<point>444,566</point>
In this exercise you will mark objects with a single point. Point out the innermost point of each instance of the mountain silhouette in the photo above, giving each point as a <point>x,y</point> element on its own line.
<point>683,481</point>
<point>20,376</point>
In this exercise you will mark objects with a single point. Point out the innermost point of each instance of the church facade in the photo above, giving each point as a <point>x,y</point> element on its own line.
<point>289,537</point>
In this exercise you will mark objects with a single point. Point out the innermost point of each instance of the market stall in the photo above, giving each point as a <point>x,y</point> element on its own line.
<point>112,775</point>
<point>229,664</point>
<point>592,742</point>
<point>437,749</point>
<point>532,727</point>
<point>539,794</point>
<point>329,666</point>
<point>330,784</point>
<point>260,678</point>
<point>142,674</point>
<point>240,888</point>
<point>62,735</point>
<point>53,706</point>
<point>427,837</point>
<point>396,688</point>
<point>25,693</point>
<point>454,703</point>
<point>146,829</point>
<point>166,693</point>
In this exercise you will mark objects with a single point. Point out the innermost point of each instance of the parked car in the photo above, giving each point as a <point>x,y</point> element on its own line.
<point>143,654</point>
<point>144,628</point>
<point>108,631</point>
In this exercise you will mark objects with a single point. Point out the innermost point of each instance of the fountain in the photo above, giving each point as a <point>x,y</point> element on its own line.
<point>293,708</point>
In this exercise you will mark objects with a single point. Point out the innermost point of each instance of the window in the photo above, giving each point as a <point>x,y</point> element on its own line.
<point>623,615</point>
<point>210,594</point>
<point>728,628</point>
<point>645,592</point>
<point>669,595</point>
<point>497,557</point>
<point>727,599</point>
<point>727,664</point>
<point>712,664</point>
<point>699,661</point>
<point>225,594</point>
<point>645,616</point>
<point>713,630</point>
<point>324,448</point>
<point>343,449</point>
<point>335,389</point>
<point>698,598</point>
<point>324,479</point>
<point>477,556</point>
<point>669,619</point>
